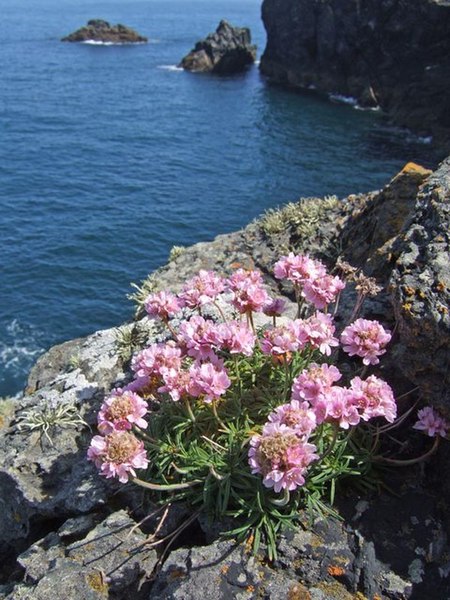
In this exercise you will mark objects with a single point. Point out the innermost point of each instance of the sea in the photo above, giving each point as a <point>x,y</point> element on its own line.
<point>111,155</point>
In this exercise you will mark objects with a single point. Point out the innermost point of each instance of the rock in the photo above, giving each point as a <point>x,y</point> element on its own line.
<point>420,289</point>
<point>224,52</point>
<point>391,54</point>
<point>98,30</point>
<point>109,562</point>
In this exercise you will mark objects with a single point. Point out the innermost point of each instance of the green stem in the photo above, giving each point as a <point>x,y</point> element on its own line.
<point>172,487</point>
<point>189,410</point>
<point>412,461</point>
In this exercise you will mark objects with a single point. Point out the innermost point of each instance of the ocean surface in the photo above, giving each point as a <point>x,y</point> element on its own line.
<point>110,155</point>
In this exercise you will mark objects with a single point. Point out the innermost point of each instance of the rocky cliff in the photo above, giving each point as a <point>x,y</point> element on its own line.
<point>394,54</point>
<point>67,533</point>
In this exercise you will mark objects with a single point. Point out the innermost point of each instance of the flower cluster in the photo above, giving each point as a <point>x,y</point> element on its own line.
<point>240,413</point>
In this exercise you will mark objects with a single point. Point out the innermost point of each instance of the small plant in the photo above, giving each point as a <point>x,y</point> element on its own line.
<point>129,339</point>
<point>146,287</point>
<point>302,217</point>
<point>175,252</point>
<point>248,423</point>
<point>48,417</point>
<point>74,362</point>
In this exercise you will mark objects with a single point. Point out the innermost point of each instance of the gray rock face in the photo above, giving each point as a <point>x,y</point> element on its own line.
<point>224,52</point>
<point>420,285</point>
<point>98,30</point>
<point>389,53</point>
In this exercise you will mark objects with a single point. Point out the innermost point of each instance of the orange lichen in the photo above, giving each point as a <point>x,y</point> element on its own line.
<point>336,571</point>
<point>409,291</point>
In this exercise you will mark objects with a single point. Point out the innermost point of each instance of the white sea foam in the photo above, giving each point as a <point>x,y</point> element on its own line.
<point>343,99</point>
<point>100,43</point>
<point>170,68</point>
<point>19,348</point>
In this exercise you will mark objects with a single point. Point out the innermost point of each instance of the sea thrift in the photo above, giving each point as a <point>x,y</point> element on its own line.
<point>314,382</point>
<point>298,268</point>
<point>248,292</point>
<point>322,291</point>
<point>238,338</point>
<point>162,305</point>
<point>201,289</point>
<point>281,457</point>
<point>117,455</point>
<point>373,397</point>
<point>431,423</point>
<point>151,360</point>
<point>201,337</point>
<point>121,410</point>
<point>366,339</point>
<point>209,381</point>
<point>319,330</point>
<point>283,339</point>
<point>297,415</point>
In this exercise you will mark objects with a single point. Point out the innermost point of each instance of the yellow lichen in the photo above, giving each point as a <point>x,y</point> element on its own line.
<point>97,582</point>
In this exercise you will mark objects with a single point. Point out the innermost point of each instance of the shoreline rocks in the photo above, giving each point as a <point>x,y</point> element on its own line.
<point>227,51</point>
<point>394,55</point>
<point>101,31</point>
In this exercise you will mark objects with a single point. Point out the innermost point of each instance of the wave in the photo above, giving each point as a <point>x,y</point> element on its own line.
<point>170,68</point>
<point>343,99</point>
<point>20,345</point>
<point>100,43</point>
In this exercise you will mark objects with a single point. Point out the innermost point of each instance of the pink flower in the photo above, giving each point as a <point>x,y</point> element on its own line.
<point>366,339</point>
<point>314,381</point>
<point>373,397</point>
<point>297,415</point>
<point>208,380</point>
<point>322,290</point>
<point>201,337</point>
<point>339,407</point>
<point>275,307</point>
<point>431,423</point>
<point>281,457</point>
<point>319,329</point>
<point>151,360</point>
<point>283,339</point>
<point>248,292</point>
<point>121,410</point>
<point>117,455</point>
<point>298,268</point>
<point>176,383</point>
<point>238,338</point>
<point>201,289</point>
<point>162,305</point>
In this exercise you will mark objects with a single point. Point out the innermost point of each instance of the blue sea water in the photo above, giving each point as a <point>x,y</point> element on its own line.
<point>109,155</point>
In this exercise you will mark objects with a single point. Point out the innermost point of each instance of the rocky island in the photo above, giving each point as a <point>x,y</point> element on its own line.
<point>227,51</point>
<point>101,31</point>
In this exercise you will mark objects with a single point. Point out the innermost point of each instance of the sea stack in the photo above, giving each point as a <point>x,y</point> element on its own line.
<point>229,50</point>
<point>98,30</point>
